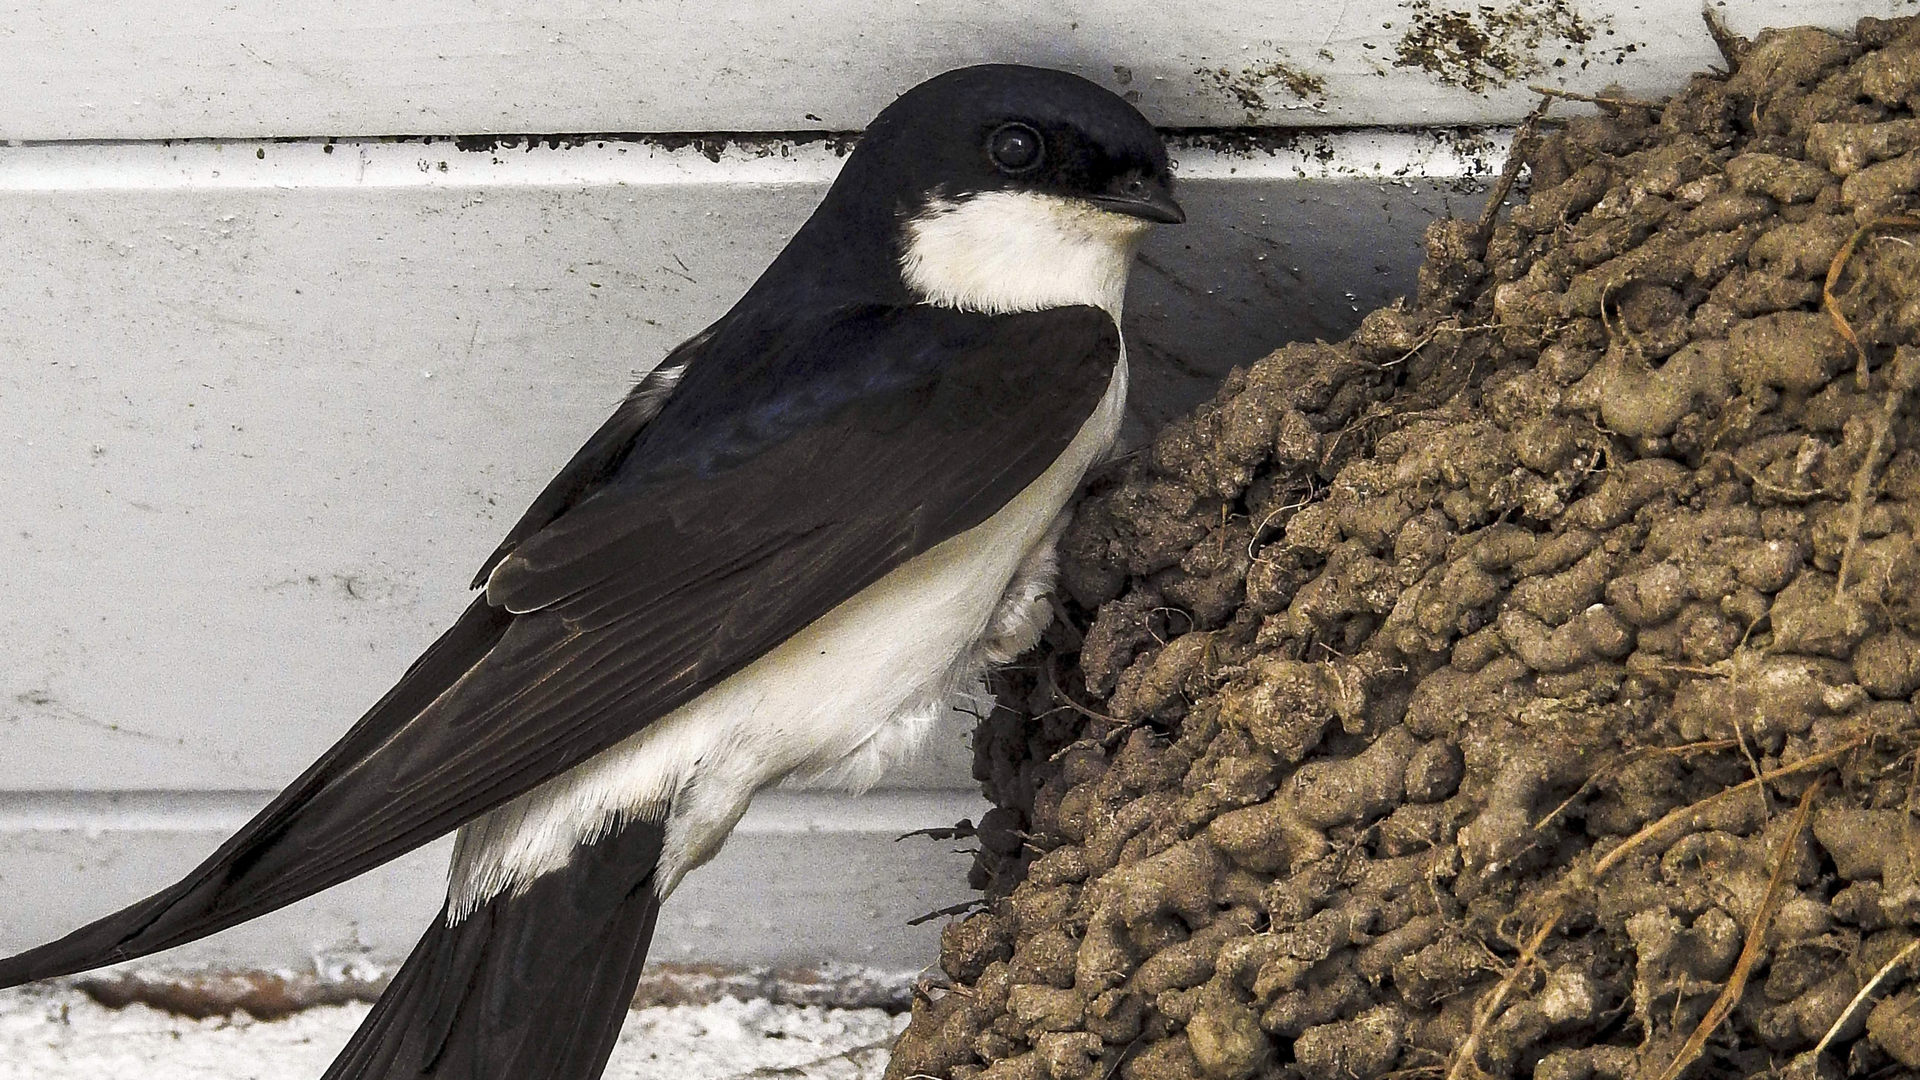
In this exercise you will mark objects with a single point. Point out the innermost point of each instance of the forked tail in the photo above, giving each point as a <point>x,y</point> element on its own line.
<point>532,986</point>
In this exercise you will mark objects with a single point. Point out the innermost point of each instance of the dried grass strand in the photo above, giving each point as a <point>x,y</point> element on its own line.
<point>1685,813</point>
<point>1707,746</point>
<point>1750,951</point>
<point>1861,998</point>
<point>1607,100</point>
<point>1490,1008</point>
<point>1509,172</point>
<point>1838,266</point>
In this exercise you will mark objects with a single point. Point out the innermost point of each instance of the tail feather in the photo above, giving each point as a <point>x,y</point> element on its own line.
<point>532,986</point>
<point>248,877</point>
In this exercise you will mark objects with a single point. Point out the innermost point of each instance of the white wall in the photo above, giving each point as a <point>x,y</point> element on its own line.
<point>122,69</point>
<point>264,405</point>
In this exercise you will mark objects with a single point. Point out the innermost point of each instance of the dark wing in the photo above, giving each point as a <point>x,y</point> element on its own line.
<point>722,532</point>
<point>602,455</point>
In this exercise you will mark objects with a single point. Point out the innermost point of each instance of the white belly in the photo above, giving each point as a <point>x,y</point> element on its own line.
<point>837,702</point>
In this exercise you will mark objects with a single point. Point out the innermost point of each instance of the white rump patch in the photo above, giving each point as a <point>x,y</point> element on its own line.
<point>1004,251</point>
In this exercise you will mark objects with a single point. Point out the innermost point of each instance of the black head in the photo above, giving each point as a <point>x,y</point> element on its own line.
<point>1004,127</point>
<point>976,131</point>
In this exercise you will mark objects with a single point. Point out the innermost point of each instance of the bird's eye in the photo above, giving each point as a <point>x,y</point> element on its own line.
<point>1015,148</point>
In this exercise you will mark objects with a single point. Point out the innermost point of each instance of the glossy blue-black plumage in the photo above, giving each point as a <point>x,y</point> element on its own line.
<point>774,386</point>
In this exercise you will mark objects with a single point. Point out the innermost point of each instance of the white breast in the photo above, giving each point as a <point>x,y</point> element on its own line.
<point>837,701</point>
<point>1003,251</point>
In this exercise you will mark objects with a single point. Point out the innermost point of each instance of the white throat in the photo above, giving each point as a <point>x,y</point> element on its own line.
<point>1004,251</point>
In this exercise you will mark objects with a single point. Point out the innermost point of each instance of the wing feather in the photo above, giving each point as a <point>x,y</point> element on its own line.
<point>699,549</point>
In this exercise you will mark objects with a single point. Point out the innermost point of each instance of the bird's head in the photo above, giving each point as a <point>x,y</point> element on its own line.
<point>1008,188</point>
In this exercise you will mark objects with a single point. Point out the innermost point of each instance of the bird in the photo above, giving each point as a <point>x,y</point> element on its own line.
<point>791,545</point>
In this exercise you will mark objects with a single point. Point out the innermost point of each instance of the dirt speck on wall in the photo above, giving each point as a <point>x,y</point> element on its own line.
<point>1479,46</point>
<point>1524,686</point>
<point>1252,86</point>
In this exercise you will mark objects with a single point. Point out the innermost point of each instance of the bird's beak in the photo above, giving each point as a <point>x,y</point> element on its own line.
<point>1155,203</point>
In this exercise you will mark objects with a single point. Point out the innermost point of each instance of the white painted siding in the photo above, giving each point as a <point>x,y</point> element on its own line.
<point>129,69</point>
<point>806,878</point>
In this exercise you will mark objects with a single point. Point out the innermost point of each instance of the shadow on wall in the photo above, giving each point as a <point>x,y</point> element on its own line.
<point>1259,265</point>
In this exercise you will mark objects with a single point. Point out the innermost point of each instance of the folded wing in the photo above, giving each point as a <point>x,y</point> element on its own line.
<point>671,553</point>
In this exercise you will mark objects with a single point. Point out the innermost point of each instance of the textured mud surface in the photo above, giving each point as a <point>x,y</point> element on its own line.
<point>1524,686</point>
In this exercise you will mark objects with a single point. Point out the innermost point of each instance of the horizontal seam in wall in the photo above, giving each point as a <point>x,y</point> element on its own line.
<point>774,812</point>
<point>1367,154</point>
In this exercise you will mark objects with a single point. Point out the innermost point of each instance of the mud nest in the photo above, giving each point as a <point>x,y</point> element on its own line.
<point>1524,686</point>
